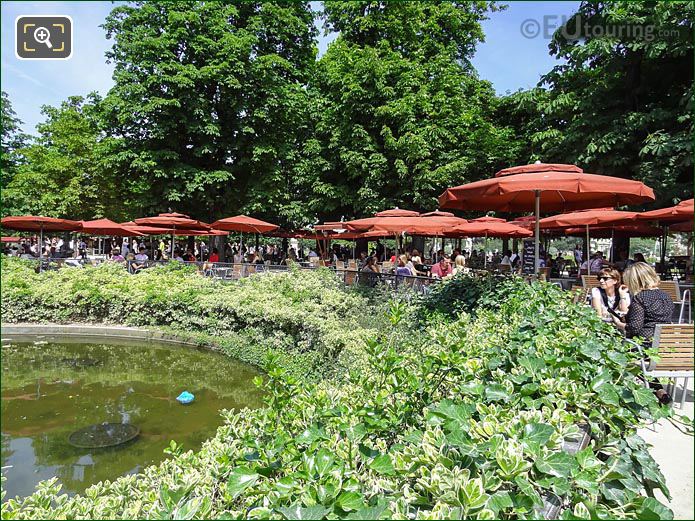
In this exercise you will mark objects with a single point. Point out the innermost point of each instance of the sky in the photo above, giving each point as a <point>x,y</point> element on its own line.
<point>510,60</point>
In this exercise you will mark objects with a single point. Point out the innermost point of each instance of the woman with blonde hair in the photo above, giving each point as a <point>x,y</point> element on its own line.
<point>459,265</point>
<point>650,306</point>
<point>610,298</point>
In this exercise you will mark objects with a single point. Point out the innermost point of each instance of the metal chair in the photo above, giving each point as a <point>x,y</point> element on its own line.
<point>671,287</point>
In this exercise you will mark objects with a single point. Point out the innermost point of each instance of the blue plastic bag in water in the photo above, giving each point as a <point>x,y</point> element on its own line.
<point>185,397</point>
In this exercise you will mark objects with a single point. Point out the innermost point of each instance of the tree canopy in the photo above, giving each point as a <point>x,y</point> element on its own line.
<point>222,108</point>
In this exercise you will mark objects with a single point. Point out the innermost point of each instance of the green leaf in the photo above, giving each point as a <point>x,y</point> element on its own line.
<point>538,433</point>
<point>382,465</point>
<point>350,501</point>
<point>297,511</point>
<point>239,480</point>
<point>608,394</point>
<point>499,501</point>
<point>368,513</point>
<point>496,392</point>
<point>558,464</point>
<point>652,509</point>
<point>601,379</point>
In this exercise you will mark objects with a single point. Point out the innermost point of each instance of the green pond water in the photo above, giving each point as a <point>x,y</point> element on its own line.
<point>52,387</point>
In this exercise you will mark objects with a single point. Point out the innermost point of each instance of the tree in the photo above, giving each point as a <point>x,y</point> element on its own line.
<point>12,140</point>
<point>621,105</point>
<point>66,171</point>
<point>400,113</point>
<point>210,99</point>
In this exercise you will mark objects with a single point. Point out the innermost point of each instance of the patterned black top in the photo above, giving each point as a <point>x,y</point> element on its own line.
<point>649,308</point>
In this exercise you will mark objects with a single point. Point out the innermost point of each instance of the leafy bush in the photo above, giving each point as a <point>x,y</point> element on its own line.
<point>468,422</point>
<point>455,295</point>
<point>307,318</point>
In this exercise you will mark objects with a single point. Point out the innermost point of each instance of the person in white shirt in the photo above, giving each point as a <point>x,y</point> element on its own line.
<point>507,259</point>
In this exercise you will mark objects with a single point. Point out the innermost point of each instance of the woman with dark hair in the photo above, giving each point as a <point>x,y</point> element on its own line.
<point>610,298</point>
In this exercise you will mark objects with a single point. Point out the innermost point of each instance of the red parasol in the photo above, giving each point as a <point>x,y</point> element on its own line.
<point>244,224</point>
<point>624,230</point>
<point>397,212</point>
<point>486,219</point>
<point>11,239</point>
<point>683,211</point>
<point>686,226</point>
<point>488,229</point>
<point>555,187</point>
<point>34,223</point>
<point>108,227</point>
<point>596,217</point>
<point>173,223</point>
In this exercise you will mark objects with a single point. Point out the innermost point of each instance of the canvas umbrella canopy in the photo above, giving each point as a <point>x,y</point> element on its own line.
<point>680,214</point>
<point>11,239</point>
<point>554,187</point>
<point>174,223</point>
<point>620,230</point>
<point>397,212</point>
<point>486,219</point>
<point>108,227</point>
<point>488,229</point>
<point>686,226</point>
<point>589,219</point>
<point>37,223</point>
<point>244,224</point>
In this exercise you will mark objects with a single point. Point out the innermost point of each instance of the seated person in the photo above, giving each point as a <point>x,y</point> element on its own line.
<point>597,262</point>
<point>370,272</point>
<point>610,298</point>
<point>638,258</point>
<point>442,268</point>
<point>140,261</point>
<point>214,256</point>
<point>459,265</point>
<point>189,257</point>
<point>649,306</point>
<point>116,255</point>
<point>404,269</point>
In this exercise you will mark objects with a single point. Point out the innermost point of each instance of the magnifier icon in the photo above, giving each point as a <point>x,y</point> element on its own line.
<point>43,35</point>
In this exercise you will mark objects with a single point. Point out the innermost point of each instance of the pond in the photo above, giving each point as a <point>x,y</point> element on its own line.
<point>52,387</point>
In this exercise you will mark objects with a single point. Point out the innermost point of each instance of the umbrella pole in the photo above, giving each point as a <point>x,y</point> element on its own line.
<point>537,245</point>
<point>663,248</point>
<point>485,258</point>
<point>588,251</point>
<point>40,248</point>
<point>171,257</point>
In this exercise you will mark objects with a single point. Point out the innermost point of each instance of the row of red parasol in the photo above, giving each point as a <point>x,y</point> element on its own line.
<point>162,224</point>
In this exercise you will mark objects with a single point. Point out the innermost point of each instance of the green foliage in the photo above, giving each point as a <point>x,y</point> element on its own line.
<point>399,111</point>
<point>458,294</point>
<point>210,100</point>
<point>621,104</point>
<point>467,422</point>
<point>307,319</point>
<point>13,139</point>
<point>65,171</point>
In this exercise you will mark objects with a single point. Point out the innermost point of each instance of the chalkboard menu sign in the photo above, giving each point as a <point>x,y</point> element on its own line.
<point>528,254</point>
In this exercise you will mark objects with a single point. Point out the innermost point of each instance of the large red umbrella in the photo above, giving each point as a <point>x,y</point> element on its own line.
<point>620,230</point>
<point>108,227</point>
<point>244,224</point>
<point>174,223</point>
<point>397,212</point>
<point>488,229</point>
<point>679,217</point>
<point>486,219</point>
<point>11,239</point>
<point>555,187</point>
<point>34,223</point>
<point>37,223</point>
<point>682,212</point>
